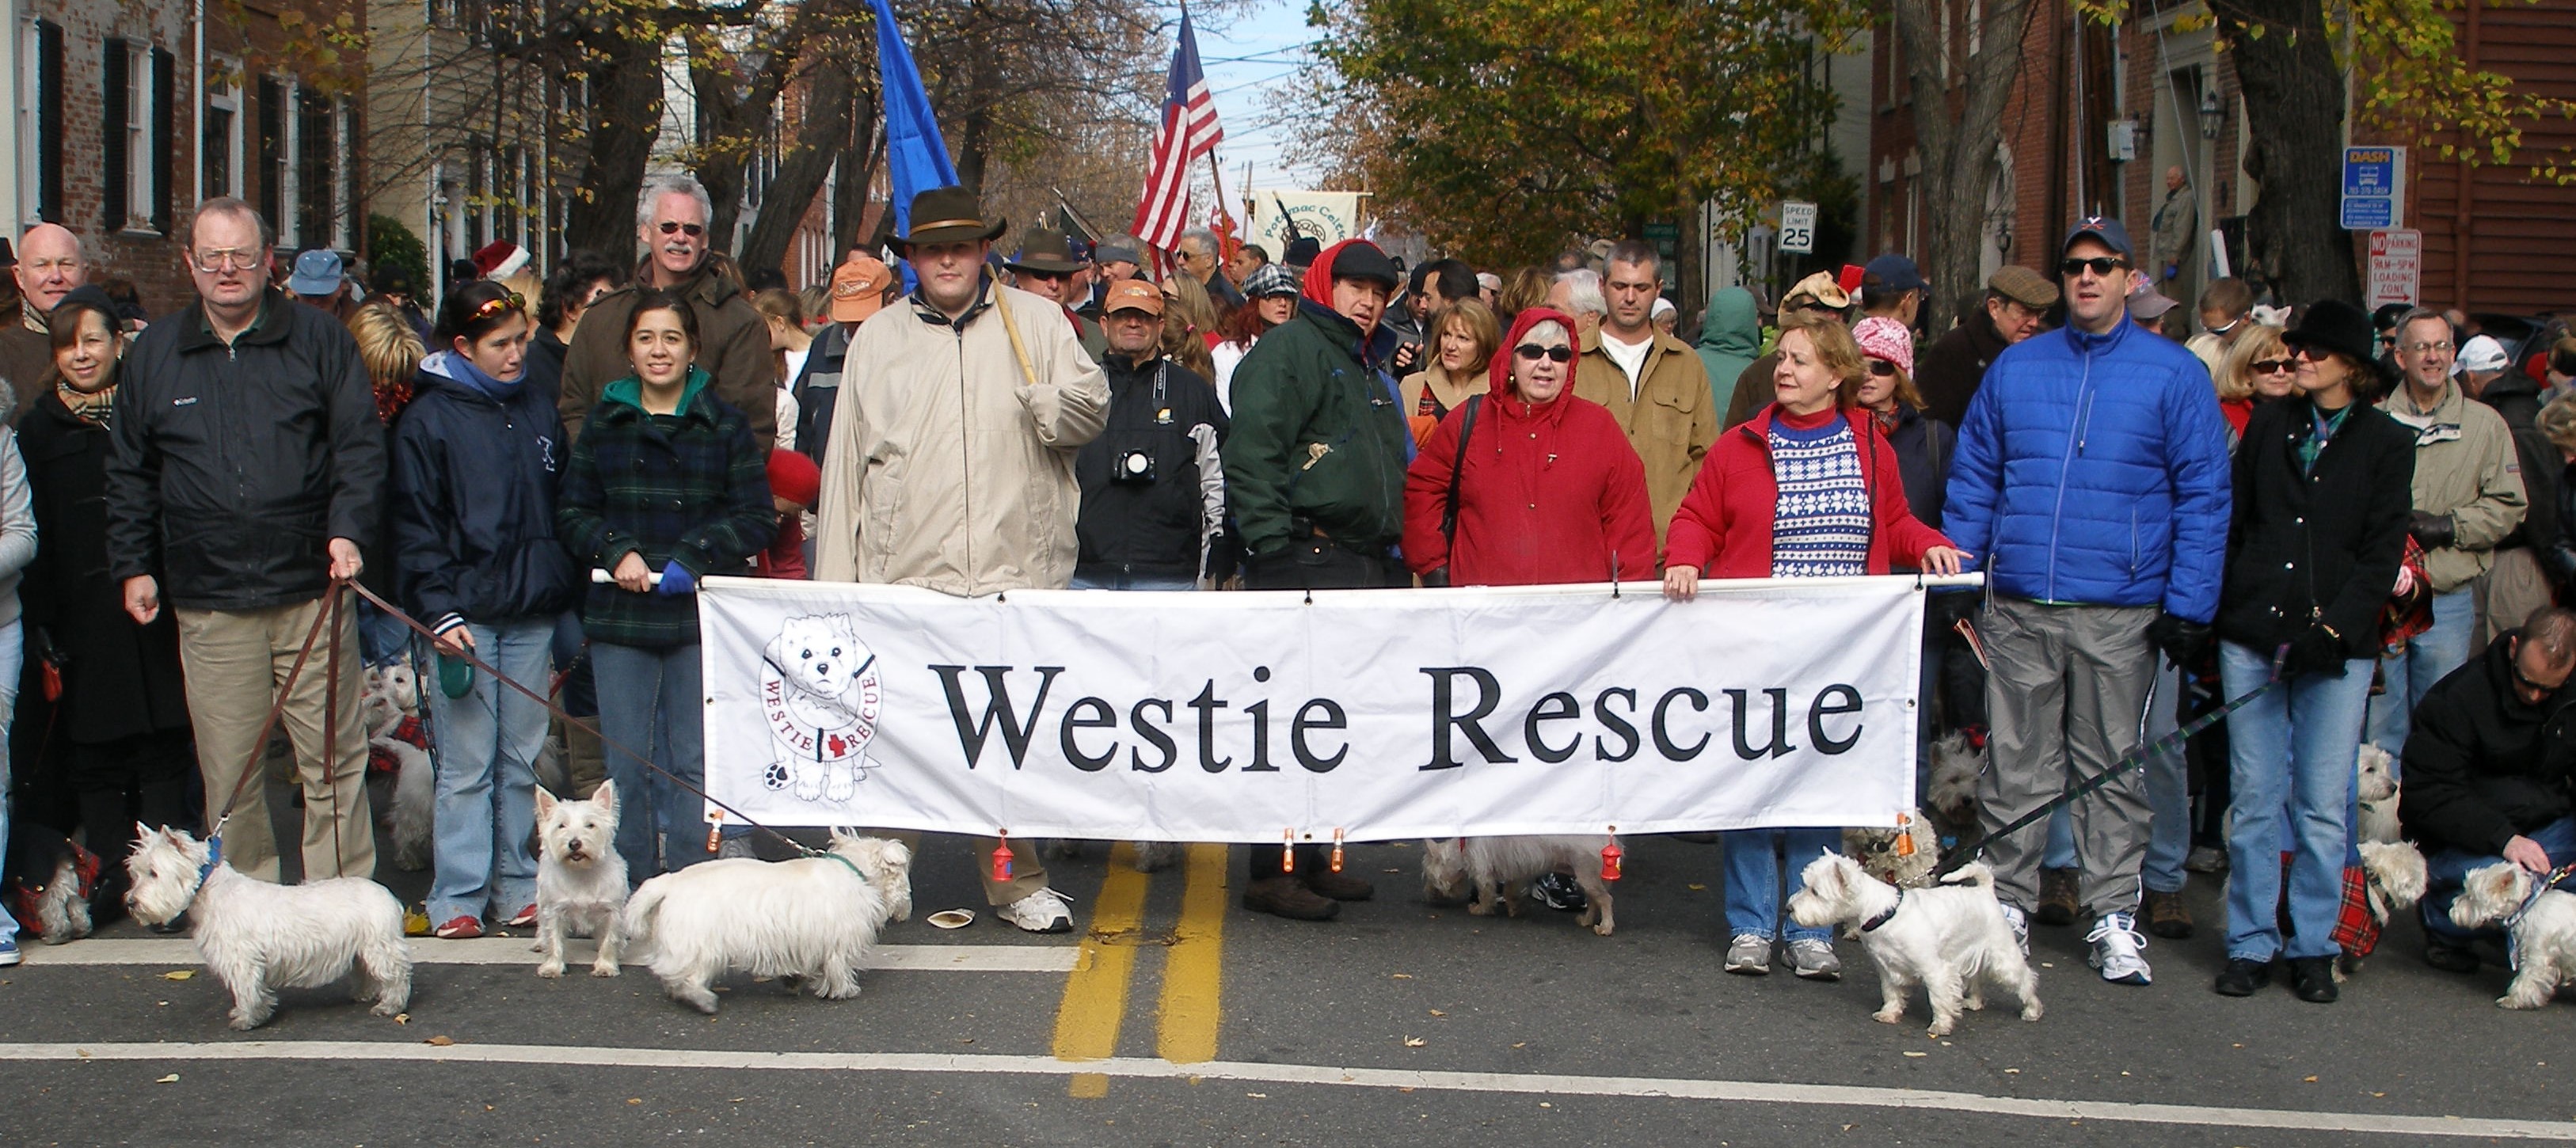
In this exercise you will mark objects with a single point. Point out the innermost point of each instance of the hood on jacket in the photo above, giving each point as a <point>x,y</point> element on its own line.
<point>452,369</point>
<point>630,390</point>
<point>1499,372</point>
<point>1733,326</point>
<point>1317,304</point>
<point>1319,277</point>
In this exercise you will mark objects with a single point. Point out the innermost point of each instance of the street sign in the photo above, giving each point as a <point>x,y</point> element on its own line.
<point>2396,267</point>
<point>1798,228</point>
<point>2374,188</point>
<point>1665,237</point>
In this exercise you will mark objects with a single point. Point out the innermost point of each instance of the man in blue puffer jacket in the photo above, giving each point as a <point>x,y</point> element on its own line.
<point>2091,482</point>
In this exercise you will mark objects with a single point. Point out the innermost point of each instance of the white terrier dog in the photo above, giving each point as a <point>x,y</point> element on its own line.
<point>258,938</point>
<point>412,820</point>
<point>813,917</point>
<point>581,879</point>
<point>2375,776</point>
<point>2543,928</point>
<point>1949,938</point>
<point>2395,872</point>
<point>1498,871</point>
<point>1950,794</point>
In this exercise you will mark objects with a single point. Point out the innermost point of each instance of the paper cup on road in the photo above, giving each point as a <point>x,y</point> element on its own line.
<point>952,918</point>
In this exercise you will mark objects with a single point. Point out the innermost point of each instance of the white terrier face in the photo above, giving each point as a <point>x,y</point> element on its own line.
<point>1952,790</point>
<point>162,873</point>
<point>821,653</point>
<point>887,864</point>
<point>2492,894</point>
<point>1444,869</point>
<point>402,686</point>
<point>2376,774</point>
<point>2399,868</point>
<point>1827,899</point>
<point>578,833</point>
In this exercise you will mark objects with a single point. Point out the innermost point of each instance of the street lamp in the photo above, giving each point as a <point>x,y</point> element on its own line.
<point>2213,115</point>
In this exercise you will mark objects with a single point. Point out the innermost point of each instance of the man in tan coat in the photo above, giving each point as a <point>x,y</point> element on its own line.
<point>1653,382</point>
<point>733,339</point>
<point>951,465</point>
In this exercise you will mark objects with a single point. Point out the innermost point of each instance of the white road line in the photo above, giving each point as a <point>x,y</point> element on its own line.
<point>1739,1091</point>
<point>177,952</point>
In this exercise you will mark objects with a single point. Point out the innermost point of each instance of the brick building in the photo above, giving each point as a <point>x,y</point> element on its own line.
<point>130,111</point>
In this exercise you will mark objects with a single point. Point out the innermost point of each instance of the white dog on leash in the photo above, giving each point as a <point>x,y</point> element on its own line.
<point>812,917</point>
<point>820,695</point>
<point>581,879</point>
<point>1950,938</point>
<point>258,938</point>
<point>2542,924</point>
<point>1498,870</point>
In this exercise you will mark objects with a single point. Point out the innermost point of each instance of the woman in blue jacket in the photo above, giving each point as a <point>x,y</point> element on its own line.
<point>475,460</point>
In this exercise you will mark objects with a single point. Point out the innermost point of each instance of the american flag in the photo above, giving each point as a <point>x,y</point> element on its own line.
<point>1189,130</point>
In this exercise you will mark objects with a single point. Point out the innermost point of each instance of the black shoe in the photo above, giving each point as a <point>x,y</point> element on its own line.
<point>2450,958</point>
<point>1559,892</point>
<point>2313,979</point>
<point>2243,976</point>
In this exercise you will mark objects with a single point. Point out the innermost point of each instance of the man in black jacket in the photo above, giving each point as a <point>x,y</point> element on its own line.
<point>1948,372</point>
<point>241,480</point>
<point>2489,768</point>
<point>1153,493</point>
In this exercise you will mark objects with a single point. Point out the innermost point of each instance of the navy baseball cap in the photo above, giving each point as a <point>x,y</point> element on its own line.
<point>1891,272</point>
<point>2102,228</point>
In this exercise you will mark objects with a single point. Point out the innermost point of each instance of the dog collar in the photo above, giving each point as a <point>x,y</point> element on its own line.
<point>1871,925</point>
<point>2540,888</point>
<point>214,857</point>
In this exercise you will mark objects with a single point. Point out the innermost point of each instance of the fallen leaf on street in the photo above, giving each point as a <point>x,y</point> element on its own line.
<point>1437,1012</point>
<point>1520,1044</point>
<point>1258,1095</point>
<point>402,1018</point>
<point>440,1041</point>
<point>2311,1080</point>
<point>179,974</point>
<point>173,1078</point>
<point>1413,1042</point>
<point>635,1100</point>
<point>1698,888</point>
<point>1400,976</point>
<point>1918,1054</point>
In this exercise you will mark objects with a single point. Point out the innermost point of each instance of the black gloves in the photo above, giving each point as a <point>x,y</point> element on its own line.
<point>2318,651</point>
<point>2432,531</point>
<point>2181,639</point>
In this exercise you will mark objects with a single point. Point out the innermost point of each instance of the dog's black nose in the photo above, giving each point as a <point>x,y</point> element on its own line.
<point>823,667</point>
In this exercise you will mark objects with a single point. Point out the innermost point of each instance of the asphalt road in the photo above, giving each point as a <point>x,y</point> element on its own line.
<point>1401,1021</point>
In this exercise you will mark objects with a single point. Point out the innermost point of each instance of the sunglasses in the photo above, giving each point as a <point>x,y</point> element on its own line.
<point>2102,265</point>
<point>2271,366</point>
<point>674,227</point>
<point>1882,368</point>
<point>2312,353</point>
<point>1533,352</point>
<point>510,302</point>
<point>1042,276</point>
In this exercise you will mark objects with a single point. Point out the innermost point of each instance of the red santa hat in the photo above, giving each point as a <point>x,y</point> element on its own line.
<point>500,259</point>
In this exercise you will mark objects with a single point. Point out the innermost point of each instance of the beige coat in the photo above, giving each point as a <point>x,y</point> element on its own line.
<point>2465,467</point>
<point>947,468</point>
<point>1671,421</point>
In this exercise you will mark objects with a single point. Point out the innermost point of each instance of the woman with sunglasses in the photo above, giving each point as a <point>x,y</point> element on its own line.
<point>475,468</point>
<point>1848,517</point>
<point>2253,370</point>
<point>1527,484</point>
<point>2323,486</point>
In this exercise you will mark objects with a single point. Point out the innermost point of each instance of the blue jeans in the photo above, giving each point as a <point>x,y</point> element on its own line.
<point>2447,869</point>
<point>1755,876</point>
<point>487,746</point>
<point>13,651</point>
<point>2168,790</point>
<point>380,636</point>
<point>644,691</point>
<point>1112,579</point>
<point>2291,754</point>
<point>2060,853</point>
<point>2425,660</point>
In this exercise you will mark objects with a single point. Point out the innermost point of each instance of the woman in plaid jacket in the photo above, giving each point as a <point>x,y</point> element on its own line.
<point>666,485</point>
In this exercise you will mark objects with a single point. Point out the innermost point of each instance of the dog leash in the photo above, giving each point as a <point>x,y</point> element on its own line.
<point>2135,758</point>
<point>2540,888</point>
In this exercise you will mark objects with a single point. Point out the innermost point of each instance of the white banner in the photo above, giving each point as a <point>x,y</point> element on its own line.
<point>1329,216</point>
<point>1376,713</point>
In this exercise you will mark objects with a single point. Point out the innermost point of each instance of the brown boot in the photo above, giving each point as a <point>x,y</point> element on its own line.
<point>1285,896</point>
<point>2056,897</point>
<point>2166,916</point>
<point>1338,886</point>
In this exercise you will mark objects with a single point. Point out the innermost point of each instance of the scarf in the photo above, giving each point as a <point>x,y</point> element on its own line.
<point>91,409</point>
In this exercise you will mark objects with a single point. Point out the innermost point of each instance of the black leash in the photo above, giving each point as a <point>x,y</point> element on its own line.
<point>2136,758</point>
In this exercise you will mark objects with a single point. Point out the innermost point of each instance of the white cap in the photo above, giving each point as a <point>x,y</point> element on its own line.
<point>2482,353</point>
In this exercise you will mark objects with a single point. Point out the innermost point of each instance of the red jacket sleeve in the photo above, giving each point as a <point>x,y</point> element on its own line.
<point>1907,536</point>
<point>1698,531</point>
<point>1426,496</point>
<point>1627,514</point>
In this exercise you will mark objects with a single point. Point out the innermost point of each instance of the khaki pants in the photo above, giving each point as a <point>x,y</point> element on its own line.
<point>1027,875</point>
<point>2508,592</point>
<point>235,661</point>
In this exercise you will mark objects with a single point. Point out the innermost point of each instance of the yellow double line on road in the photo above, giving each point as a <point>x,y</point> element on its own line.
<point>1192,1006</point>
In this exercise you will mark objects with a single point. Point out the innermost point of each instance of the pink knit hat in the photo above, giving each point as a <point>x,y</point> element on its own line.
<point>1883,338</point>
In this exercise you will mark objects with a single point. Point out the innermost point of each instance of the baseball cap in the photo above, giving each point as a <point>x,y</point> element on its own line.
<point>317,272</point>
<point>1132,295</point>
<point>1823,288</point>
<point>858,288</point>
<point>2149,304</point>
<point>2103,228</point>
<point>1117,249</point>
<point>2024,286</point>
<point>1891,272</point>
<point>2482,353</point>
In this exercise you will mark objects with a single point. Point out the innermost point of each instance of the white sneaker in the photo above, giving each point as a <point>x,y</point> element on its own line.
<point>1749,955</point>
<point>1041,912</point>
<point>2020,923</point>
<point>2116,945</point>
<point>1814,960</point>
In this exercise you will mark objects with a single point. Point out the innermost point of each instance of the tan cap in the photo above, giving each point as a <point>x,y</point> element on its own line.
<point>1823,288</point>
<point>2024,286</point>
<point>1133,295</point>
<point>858,288</point>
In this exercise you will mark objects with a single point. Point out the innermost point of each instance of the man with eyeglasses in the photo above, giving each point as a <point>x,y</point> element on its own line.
<point>2015,308</point>
<point>1652,383</point>
<point>2092,486</point>
<point>50,266</point>
<point>2468,499</point>
<point>1044,266</point>
<point>733,338</point>
<point>244,466</point>
<point>2491,773</point>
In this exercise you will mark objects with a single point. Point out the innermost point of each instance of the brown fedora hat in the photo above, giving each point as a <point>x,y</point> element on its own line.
<point>1044,249</point>
<point>948,215</point>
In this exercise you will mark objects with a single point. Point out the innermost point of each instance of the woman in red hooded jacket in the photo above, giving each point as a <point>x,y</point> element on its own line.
<point>1550,490</point>
<point>1800,490</point>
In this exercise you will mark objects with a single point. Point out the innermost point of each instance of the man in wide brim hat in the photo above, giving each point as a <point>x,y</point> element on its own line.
<point>947,215</point>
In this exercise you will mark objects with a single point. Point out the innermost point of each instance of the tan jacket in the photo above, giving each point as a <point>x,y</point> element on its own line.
<point>948,469</point>
<point>2465,467</point>
<point>1671,422</point>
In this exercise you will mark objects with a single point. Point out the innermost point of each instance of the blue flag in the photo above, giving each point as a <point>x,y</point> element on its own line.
<point>916,158</point>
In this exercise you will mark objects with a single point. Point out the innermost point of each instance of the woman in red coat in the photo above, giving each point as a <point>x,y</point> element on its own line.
<point>1800,490</point>
<point>1550,490</point>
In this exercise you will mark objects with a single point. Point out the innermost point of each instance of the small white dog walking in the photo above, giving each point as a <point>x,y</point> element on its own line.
<point>2541,922</point>
<point>258,938</point>
<point>812,917</point>
<point>581,879</point>
<point>1950,938</point>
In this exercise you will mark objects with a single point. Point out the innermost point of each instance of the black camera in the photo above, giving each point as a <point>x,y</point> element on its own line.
<point>1135,466</point>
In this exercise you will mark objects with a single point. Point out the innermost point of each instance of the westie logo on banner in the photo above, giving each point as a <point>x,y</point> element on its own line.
<point>820,695</point>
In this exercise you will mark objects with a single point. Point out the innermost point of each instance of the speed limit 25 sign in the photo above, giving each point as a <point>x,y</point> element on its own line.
<point>1798,228</point>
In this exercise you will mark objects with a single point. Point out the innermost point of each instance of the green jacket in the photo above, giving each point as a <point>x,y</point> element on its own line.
<point>1317,435</point>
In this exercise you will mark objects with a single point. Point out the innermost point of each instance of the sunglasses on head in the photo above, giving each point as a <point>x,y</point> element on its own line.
<point>672,227</point>
<point>491,307</point>
<point>2271,366</point>
<point>1533,352</point>
<point>2102,265</point>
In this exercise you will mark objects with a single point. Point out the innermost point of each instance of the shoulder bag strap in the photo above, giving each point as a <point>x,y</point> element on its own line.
<point>1457,473</point>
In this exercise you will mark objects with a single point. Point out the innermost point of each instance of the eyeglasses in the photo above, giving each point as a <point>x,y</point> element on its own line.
<point>1041,276</point>
<point>2271,366</point>
<point>2313,354</point>
<point>1882,368</point>
<point>2230,325</point>
<point>1532,352</point>
<point>228,259</point>
<point>491,307</point>
<point>672,227</point>
<point>2101,265</point>
<point>2426,348</point>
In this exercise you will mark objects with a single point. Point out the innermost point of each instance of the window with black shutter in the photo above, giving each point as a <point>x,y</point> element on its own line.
<point>165,136</point>
<point>112,125</point>
<point>49,121</point>
<point>314,169</point>
<point>272,152</point>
